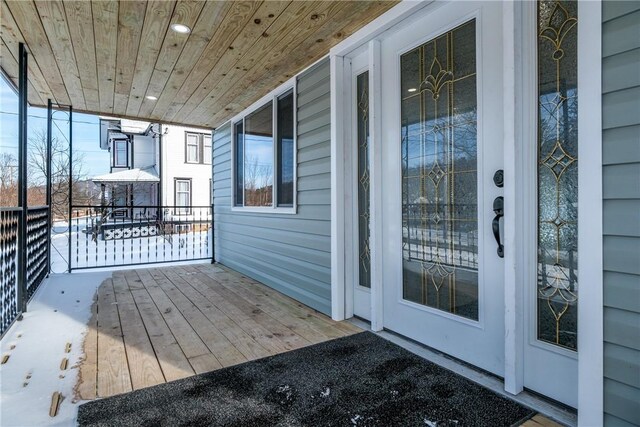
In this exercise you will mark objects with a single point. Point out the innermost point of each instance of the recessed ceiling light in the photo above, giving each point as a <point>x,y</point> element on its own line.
<point>151,98</point>
<point>413,89</point>
<point>180,28</point>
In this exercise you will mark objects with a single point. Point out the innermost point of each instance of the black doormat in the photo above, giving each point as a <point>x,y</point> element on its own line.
<point>360,380</point>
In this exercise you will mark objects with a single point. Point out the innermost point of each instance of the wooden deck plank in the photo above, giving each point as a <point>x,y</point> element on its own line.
<point>293,322</point>
<point>285,305</point>
<point>251,312</point>
<point>87,378</point>
<point>211,322</point>
<point>188,339</point>
<point>544,421</point>
<point>241,323</point>
<point>162,324</point>
<point>205,363</point>
<point>113,369</point>
<point>172,360</point>
<point>143,365</point>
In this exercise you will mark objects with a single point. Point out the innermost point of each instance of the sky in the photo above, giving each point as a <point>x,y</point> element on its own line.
<point>86,131</point>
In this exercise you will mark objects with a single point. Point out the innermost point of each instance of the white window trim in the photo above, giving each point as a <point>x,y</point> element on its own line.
<point>116,164</point>
<point>186,151</point>
<point>178,208</point>
<point>290,85</point>
<point>206,160</point>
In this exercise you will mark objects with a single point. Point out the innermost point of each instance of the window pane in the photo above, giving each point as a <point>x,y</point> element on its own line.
<point>285,150</point>
<point>239,164</point>
<point>192,148</point>
<point>557,284</point>
<point>120,153</point>
<point>258,157</point>
<point>207,149</point>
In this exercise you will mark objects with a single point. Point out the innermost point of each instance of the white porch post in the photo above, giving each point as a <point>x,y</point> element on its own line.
<point>337,188</point>
<point>513,206</point>
<point>590,276</point>
<point>375,224</point>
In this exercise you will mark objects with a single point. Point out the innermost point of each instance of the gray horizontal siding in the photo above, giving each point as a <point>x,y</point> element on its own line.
<point>621,211</point>
<point>290,253</point>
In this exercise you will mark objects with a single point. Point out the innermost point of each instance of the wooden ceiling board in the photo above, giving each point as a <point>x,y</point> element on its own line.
<point>10,67</point>
<point>236,19</point>
<point>269,73</point>
<point>54,22</point>
<point>258,24</point>
<point>156,24</point>
<point>30,30</point>
<point>130,15</point>
<point>309,24</point>
<point>231,65</point>
<point>84,47</point>
<point>38,89</point>
<point>105,33</point>
<point>202,34</point>
<point>106,56</point>
<point>186,13</point>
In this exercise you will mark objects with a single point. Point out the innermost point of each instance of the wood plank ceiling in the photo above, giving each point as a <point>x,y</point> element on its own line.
<point>106,56</point>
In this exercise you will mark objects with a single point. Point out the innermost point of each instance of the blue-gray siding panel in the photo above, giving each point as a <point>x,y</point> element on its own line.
<point>621,218</point>
<point>291,253</point>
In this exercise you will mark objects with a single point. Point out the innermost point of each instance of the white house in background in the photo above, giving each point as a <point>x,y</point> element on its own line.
<point>153,164</point>
<point>186,166</point>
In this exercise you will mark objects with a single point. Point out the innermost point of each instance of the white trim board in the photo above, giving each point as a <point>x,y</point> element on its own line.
<point>590,240</point>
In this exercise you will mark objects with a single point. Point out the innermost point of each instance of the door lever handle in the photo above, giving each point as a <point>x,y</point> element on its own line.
<point>498,209</point>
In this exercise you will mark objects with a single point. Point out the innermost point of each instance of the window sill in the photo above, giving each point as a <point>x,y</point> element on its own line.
<point>266,210</point>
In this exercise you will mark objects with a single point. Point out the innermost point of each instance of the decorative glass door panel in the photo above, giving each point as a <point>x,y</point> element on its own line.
<point>364,254</point>
<point>439,173</point>
<point>557,289</point>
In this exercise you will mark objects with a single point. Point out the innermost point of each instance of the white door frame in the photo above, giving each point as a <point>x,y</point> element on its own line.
<point>590,315</point>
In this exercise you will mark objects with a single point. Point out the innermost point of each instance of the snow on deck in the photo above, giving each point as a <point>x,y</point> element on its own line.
<point>37,345</point>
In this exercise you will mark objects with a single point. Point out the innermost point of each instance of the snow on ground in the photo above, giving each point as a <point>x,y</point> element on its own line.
<point>57,315</point>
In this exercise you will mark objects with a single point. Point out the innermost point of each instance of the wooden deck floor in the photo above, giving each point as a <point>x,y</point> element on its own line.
<point>150,326</point>
<point>155,325</point>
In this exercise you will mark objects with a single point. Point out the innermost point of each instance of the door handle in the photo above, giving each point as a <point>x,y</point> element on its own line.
<point>498,209</point>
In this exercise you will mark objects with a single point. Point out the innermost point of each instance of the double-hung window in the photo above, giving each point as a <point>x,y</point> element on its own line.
<point>264,156</point>
<point>197,148</point>
<point>206,149</point>
<point>183,196</point>
<point>120,155</point>
<point>193,148</point>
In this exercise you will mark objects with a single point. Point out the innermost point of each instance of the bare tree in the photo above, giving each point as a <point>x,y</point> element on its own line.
<point>60,158</point>
<point>258,183</point>
<point>8,181</point>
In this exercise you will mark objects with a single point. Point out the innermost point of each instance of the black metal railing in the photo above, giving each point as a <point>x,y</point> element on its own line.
<point>107,236</point>
<point>9,222</point>
<point>37,248</point>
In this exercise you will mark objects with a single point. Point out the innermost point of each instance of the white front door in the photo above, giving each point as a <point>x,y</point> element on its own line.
<point>443,281</point>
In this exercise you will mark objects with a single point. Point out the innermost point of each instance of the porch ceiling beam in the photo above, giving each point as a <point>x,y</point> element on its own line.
<point>106,56</point>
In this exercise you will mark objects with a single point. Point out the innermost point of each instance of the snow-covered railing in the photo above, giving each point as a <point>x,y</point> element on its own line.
<point>107,236</point>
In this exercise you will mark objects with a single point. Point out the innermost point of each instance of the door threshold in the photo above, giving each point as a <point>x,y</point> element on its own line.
<point>555,412</point>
